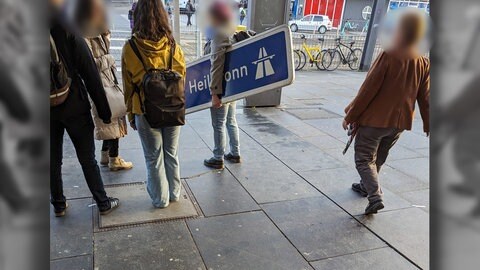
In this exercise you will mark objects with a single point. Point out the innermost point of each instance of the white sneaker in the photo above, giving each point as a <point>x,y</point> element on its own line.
<point>104,158</point>
<point>117,164</point>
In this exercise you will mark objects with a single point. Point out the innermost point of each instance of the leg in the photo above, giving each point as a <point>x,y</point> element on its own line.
<point>152,143</point>
<point>80,131</point>
<point>57,130</point>
<point>366,146</point>
<point>113,148</point>
<point>384,148</point>
<point>218,123</point>
<point>232,128</point>
<point>170,137</point>
<point>105,145</point>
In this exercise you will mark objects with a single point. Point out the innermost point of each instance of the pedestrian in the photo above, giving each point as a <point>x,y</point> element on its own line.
<point>223,115</point>
<point>190,10</point>
<point>99,43</point>
<point>153,47</point>
<point>71,58</point>
<point>384,106</point>
<point>169,10</point>
<point>131,12</point>
<point>243,14</point>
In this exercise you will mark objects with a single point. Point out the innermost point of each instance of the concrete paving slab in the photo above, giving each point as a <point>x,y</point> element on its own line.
<point>325,142</point>
<point>75,263</point>
<point>75,186</point>
<point>250,116</point>
<point>398,182</point>
<point>377,259</point>
<point>419,198</point>
<point>305,130</point>
<point>220,193</point>
<point>336,184</point>
<point>284,119</point>
<point>136,207</point>
<point>137,174</point>
<point>272,182</point>
<point>72,235</point>
<point>155,246</point>
<point>319,229</point>
<point>191,161</point>
<point>400,152</point>
<point>413,140</point>
<point>418,168</point>
<point>268,133</point>
<point>243,242</point>
<point>312,113</point>
<point>407,230</point>
<point>332,126</point>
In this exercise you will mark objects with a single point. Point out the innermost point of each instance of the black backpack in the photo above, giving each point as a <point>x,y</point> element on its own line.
<point>237,37</point>
<point>163,89</point>
<point>60,82</point>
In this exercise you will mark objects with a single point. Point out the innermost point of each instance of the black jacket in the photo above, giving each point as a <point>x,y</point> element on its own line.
<point>85,78</point>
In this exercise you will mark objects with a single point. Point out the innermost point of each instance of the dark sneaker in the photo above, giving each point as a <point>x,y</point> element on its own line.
<point>373,207</point>
<point>357,187</point>
<point>232,158</point>
<point>60,211</point>
<point>463,190</point>
<point>114,203</point>
<point>213,163</point>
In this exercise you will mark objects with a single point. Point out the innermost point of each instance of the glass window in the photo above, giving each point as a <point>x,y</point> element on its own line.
<point>318,19</point>
<point>306,19</point>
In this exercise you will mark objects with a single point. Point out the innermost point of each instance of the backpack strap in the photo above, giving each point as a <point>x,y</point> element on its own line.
<point>137,52</point>
<point>172,53</point>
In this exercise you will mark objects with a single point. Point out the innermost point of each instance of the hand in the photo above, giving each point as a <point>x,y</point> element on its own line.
<point>344,124</point>
<point>216,102</point>
<point>133,125</point>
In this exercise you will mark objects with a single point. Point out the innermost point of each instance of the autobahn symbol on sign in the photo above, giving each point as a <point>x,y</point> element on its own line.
<point>249,69</point>
<point>264,65</point>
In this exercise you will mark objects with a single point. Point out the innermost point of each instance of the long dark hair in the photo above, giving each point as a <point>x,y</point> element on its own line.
<point>151,21</point>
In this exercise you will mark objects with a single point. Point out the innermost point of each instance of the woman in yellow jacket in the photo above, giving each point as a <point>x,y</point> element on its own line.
<point>153,38</point>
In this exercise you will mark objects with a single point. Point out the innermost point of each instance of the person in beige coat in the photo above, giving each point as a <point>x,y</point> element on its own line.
<point>112,132</point>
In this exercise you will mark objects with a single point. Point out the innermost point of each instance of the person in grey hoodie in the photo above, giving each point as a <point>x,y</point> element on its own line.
<point>223,115</point>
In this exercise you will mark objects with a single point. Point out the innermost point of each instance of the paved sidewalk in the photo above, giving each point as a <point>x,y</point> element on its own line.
<point>288,206</point>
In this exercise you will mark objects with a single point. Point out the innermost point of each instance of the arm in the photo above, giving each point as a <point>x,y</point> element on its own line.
<point>128,87</point>
<point>423,99</point>
<point>219,44</point>
<point>88,71</point>
<point>369,89</point>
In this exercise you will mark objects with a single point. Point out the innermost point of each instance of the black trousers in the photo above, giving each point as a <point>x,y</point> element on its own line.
<point>80,130</point>
<point>111,146</point>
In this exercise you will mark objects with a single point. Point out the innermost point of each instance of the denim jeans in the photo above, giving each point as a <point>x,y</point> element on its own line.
<point>160,147</point>
<point>221,118</point>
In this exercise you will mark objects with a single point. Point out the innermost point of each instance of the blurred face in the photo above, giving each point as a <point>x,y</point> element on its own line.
<point>57,3</point>
<point>99,17</point>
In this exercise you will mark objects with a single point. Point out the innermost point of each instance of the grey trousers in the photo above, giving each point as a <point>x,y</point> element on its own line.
<point>372,146</point>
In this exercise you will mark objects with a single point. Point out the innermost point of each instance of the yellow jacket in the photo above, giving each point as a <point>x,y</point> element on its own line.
<point>155,55</point>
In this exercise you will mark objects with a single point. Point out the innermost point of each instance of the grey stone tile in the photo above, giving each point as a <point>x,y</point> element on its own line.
<point>75,263</point>
<point>325,142</point>
<point>75,186</point>
<point>417,167</point>
<point>399,182</point>
<point>72,235</point>
<point>136,207</point>
<point>377,259</point>
<point>189,139</point>
<point>319,229</point>
<point>220,193</point>
<point>399,152</point>
<point>285,119</point>
<point>413,140</point>
<point>272,182</point>
<point>268,133</point>
<point>332,126</point>
<point>425,152</point>
<point>304,130</point>
<point>336,184</point>
<point>191,161</point>
<point>406,230</point>
<point>250,117</point>
<point>243,242</point>
<point>137,174</point>
<point>419,198</point>
<point>312,113</point>
<point>158,246</point>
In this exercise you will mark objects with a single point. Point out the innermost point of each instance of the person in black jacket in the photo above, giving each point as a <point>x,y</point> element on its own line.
<point>74,116</point>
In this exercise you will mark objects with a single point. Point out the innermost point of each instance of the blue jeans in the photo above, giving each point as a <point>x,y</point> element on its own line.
<point>221,117</point>
<point>160,147</point>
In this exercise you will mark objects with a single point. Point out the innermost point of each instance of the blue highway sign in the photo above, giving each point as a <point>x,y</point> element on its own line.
<point>258,64</point>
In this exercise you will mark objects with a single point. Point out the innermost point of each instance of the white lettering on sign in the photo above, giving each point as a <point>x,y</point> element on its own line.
<point>231,75</point>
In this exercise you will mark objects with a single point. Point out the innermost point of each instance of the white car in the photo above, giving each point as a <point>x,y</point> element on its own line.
<point>314,22</point>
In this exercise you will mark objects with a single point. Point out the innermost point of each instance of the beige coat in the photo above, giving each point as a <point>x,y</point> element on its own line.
<point>106,66</point>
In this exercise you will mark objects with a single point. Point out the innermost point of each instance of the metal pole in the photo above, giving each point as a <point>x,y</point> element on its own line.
<point>378,11</point>
<point>340,24</point>
<point>176,20</point>
<point>198,36</point>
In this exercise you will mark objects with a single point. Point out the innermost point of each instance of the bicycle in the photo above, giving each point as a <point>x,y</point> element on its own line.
<point>314,54</point>
<point>333,57</point>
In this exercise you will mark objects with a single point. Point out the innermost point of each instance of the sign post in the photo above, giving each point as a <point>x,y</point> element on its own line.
<point>258,64</point>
